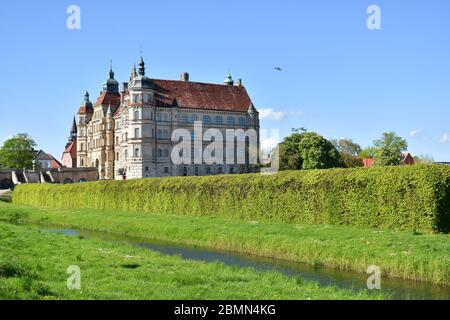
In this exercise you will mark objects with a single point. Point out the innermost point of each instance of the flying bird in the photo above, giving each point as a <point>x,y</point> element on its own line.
<point>278,68</point>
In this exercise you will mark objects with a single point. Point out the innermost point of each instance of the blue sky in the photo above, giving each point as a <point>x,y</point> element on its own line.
<point>339,78</point>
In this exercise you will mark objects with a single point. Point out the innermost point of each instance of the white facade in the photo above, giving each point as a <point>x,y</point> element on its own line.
<point>133,139</point>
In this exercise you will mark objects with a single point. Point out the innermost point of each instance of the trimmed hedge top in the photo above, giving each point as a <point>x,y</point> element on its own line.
<point>401,198</point>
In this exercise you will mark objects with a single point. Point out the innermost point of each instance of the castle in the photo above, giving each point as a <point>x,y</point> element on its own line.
<point>130,134</point>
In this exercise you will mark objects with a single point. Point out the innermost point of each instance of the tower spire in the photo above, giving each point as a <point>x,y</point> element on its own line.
<point>111,72</point>
<point>133,72</point>
<point>142,67</point>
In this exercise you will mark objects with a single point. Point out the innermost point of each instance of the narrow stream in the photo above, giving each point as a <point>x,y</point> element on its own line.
<point>399,289</point>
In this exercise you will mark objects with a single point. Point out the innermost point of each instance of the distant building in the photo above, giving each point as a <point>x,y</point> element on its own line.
<point>69,158</point>
<point>368,162</point>
<point>443,163</point>
<point>45,160</point>
<point>407,159</point>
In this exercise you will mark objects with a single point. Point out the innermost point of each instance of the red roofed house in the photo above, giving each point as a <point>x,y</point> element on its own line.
<point>407,159</point>
<point>368,162</point>
<point>127,134</point>
<point>45,160</point>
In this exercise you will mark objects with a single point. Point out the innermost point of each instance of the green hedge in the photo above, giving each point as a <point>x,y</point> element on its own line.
<point>401,198</point>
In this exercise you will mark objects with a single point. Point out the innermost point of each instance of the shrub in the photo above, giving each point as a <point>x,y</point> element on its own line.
<point>401,198</point>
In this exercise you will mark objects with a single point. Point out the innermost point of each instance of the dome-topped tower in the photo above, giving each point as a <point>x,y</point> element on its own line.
<point>228,80</point>
<point>111,85</point>
<point>86,105</point>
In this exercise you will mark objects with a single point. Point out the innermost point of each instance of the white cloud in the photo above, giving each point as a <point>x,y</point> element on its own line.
<point>270,114</point>
<point>268,144</point>
<point>445,138</point>
<point>414,133</point>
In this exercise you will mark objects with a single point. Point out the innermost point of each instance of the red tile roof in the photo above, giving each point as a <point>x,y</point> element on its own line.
<point>107,98</point>
<point>83,109</point>
<point>55,164</point>
<point>196,95</point>
<point>70,147</point>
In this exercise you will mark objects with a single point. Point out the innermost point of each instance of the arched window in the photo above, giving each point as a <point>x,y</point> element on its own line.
<point>219,120</point>
<point>136,152</point>
<point>207,119</point>
<point>230,121</point>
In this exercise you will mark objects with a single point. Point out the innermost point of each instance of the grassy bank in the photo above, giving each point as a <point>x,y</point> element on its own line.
<point>415,198</point>
<point>33,265</point>
<point>399,254</point>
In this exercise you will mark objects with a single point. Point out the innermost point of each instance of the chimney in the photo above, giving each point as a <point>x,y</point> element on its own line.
<point>239,83</point>
<point>185,76</point>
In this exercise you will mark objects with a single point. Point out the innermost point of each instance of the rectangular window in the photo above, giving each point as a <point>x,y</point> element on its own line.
<point>136,133</point>
<point>219,120</point>
<point>184,118</point>
<point>230,121</point>
<point>193,118</point>
<point>166,169</point>
<point>207,120</point>
<point>242,121</point>
<point>158,116</point>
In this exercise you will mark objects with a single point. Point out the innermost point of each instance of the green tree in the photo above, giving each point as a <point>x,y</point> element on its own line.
<point>17,152</point>
<point>289,150</point>
<point>389,149</point>
<point>369,152</point>
<point>317,152</point>
<point>349,152</point>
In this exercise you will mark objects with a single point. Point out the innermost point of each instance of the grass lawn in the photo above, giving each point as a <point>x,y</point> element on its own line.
<point>33,265</point>
<point>398,254</point>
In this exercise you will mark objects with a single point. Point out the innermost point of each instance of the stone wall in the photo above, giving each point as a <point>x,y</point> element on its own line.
<point>62,175</point>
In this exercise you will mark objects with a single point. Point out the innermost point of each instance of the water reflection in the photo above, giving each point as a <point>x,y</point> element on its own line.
<point>397,288</point>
